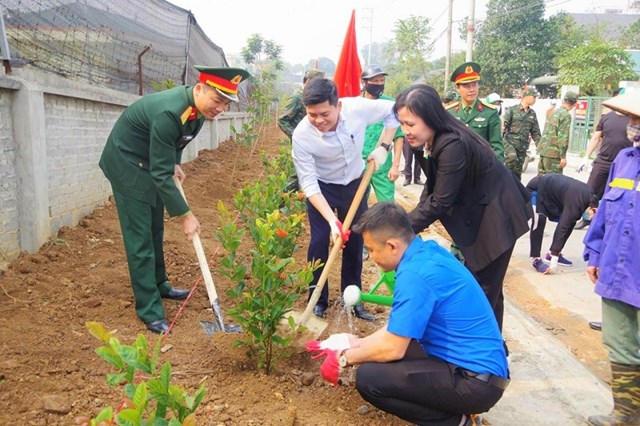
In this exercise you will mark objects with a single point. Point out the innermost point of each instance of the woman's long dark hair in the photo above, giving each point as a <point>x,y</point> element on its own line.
<point>423,101</point>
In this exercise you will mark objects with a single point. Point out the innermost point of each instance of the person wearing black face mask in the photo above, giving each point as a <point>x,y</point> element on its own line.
<point>382,181</point>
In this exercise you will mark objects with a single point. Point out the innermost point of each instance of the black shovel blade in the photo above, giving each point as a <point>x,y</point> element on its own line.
<point>211,327</point>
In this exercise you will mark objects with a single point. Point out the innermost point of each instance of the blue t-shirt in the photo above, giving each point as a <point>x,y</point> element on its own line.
<point>438,302</point>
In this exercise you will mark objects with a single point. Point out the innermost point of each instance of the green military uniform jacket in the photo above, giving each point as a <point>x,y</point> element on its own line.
<point>294,114</point>
<point>483,119</point>
<point>146,143</point>
<point>519,124</point>
<point>555,138</point>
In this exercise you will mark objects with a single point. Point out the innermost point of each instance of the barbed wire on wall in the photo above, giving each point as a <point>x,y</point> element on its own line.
<point>101,41</point>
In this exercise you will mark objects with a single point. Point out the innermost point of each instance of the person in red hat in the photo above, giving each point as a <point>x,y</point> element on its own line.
<point>140,159</point>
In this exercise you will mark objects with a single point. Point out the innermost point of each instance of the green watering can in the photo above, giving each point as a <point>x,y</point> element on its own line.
<point>354,296</point>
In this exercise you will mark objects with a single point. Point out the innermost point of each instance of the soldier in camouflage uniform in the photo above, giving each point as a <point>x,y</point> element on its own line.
<point>294,113</point>
<point>520,124</point>
<point>481,116</point>
<point>554,142</point>
<point>295,110</point>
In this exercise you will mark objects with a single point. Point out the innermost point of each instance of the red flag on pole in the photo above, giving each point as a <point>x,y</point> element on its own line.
<point>349,70</point>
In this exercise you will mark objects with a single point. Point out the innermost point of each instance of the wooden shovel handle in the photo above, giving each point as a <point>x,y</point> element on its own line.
<point>315,296</point>
<point>202,259</point>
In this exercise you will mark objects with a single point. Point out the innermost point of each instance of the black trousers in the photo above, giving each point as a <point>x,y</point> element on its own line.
<point>424,390</point>
<point>598,177</point>
<point>339,198</point>
<point>535,237</point>
<point>491,279</point>
<point>409,154</point>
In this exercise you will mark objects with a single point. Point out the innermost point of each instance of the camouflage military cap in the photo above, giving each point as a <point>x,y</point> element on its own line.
<point>311,74</point>
<point>531,92</point>
<point>449,95</point>
<point>571,97</point>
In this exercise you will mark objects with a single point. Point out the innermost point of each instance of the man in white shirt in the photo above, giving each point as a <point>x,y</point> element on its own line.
<point>327,154</point>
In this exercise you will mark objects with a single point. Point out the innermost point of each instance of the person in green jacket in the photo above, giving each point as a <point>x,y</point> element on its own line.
<point>553,145</point>
<point>382,180</point>
<point>480,116</point>
<point>140,159</point>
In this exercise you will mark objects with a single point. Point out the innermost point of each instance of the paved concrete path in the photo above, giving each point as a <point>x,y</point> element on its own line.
<point>549,385</point>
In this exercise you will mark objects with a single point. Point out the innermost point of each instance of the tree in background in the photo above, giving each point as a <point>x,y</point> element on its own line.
<point>630,39</point>
<point>596,67</point>
<point>408,53</point>
<point>264,58</point>
<point>513,45</point>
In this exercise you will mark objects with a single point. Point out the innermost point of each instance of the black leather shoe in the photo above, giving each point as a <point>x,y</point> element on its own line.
<point>158,327</point>
<point>418,182</point>
<point>361,312</point>
<point>595,325</point>
<point>407,182</point>
<point>175,294</point>
<point>319,311</point>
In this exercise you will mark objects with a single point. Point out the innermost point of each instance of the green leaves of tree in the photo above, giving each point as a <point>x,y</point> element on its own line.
<point>596,67</point>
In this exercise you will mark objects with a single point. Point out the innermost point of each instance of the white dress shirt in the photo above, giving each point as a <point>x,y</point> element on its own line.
<point>336,156</point>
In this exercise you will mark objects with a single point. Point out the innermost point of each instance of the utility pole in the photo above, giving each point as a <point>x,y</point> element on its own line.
<point>470,30</point>
<point>370,27</point>
<point>447,61</point>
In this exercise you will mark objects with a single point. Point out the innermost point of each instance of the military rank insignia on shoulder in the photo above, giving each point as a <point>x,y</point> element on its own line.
<point>452,105</point>
<point>186,115</point>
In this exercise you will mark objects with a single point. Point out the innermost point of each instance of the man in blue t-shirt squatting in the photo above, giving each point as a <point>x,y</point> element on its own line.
<point>441,356</point>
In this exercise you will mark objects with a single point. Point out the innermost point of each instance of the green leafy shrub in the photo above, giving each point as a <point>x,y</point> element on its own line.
<point>268,281</point>
<point>149,396</point>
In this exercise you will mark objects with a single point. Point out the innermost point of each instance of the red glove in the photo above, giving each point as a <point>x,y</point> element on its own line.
<point>336,230</point>
<point>330,369</point>
<point>344,235</point>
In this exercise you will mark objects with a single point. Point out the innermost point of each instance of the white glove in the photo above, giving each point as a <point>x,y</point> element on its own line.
<point>336,342</point>
<point>584,165</point>
<point>379,156</point>
<point>554,263</point>
<point>335,230</point>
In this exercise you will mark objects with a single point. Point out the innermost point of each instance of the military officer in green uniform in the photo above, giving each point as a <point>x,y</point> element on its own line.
<point>382,180</point>
<point>481,116</point>
<point>552,147</point>
<point>140,159</point>
<point>520,124</point>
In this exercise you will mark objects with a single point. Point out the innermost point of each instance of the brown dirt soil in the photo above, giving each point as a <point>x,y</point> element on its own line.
<point>47,354</point>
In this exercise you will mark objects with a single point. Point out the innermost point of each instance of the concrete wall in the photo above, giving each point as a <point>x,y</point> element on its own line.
<point>52,132</point>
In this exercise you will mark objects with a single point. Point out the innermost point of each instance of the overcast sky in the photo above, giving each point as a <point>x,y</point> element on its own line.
<point>311,29</point>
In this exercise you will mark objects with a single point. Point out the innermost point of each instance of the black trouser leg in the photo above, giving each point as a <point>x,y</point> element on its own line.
<point>535,237</point>
<point>424,390</point>
<point>491,279</point>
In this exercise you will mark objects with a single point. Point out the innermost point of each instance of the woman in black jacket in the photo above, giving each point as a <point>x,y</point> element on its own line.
<point>481,203</point>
